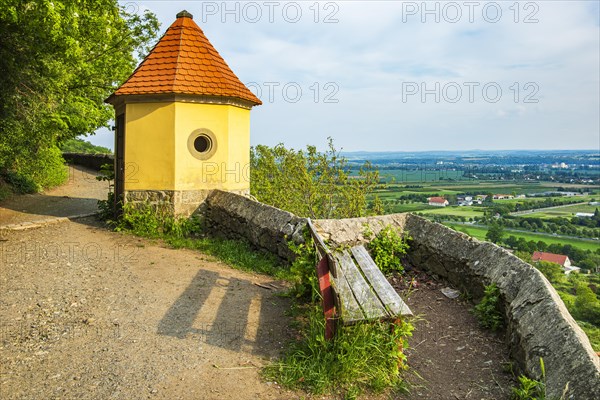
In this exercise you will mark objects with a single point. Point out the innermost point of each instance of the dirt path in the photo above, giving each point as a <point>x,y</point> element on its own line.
<point>79,195</point>
<point>87,314</point>
<point>450,355</point>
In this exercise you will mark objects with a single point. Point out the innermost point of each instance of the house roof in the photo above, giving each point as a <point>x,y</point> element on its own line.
<point>185,62</point>
<point>437,200</point>
<point>550,257</point>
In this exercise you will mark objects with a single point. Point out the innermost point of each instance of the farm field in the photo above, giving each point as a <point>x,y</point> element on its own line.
<point>466,211</point>
<point>479,233</point>
<point>418,175</point>
<point>567,211</point>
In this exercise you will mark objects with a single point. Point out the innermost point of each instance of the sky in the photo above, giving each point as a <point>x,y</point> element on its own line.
<point>409,75</point>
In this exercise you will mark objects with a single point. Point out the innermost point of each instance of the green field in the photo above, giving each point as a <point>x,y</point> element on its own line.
<point>567,211</point>
<point>467,212</point>
<point>419,175</point>
<point>479,233</point>
<point>411,207</point>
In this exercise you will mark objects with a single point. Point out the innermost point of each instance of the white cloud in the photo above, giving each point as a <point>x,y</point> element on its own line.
<point>374,48</point>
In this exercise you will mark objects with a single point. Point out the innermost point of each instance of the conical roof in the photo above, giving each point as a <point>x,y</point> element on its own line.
<point>185,62</point>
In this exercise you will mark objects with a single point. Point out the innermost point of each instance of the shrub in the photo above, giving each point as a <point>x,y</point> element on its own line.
<point>489,309</point>
<point>44,169</point>
<point>144,219</point>
<point>311,184</point>
<point>387,247</point>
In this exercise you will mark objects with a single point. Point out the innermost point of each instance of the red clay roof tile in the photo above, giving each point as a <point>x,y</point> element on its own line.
<point>550,257</point>
<point>185,62</point>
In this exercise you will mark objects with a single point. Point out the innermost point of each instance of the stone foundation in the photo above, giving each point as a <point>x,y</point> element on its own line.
<point>179,202</point>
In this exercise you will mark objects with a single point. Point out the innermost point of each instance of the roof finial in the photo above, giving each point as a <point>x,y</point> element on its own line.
<point>184,14</point>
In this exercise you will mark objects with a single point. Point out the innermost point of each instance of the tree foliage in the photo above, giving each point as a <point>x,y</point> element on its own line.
<point>310,183</point>
<point>59,60</point>
<point>495,233</point>
<point>552,271</point>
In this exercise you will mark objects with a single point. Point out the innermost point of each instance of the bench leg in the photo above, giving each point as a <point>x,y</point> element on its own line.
<point>327,295</point>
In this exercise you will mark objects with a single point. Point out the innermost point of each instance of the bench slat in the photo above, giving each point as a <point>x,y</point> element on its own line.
<point>369,302</point>
<point>388,295</point>
<point>347,305</point>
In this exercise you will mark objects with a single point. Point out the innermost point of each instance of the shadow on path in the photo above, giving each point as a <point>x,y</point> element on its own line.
<point>227,312</point>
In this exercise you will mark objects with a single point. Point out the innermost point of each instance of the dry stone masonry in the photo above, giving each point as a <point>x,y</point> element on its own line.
<point>269,228</point>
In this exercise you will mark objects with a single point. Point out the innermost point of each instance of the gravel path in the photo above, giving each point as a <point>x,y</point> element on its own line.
<point>92,314</point>
<point>86,313</point>
<point>79,195</point>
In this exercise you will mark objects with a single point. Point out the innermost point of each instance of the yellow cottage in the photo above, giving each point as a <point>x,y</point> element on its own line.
<point>182,124</point>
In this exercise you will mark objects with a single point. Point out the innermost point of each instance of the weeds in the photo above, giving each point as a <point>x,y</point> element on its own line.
<point>489,310</point>
<point>362,356</point>
<point>386,248</point>
<point>235,253</point>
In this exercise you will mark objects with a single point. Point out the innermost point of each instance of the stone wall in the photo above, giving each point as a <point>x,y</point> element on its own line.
<point>91,161</point>
<point>538,323</point>
<point>268,228</point>
<point>178,202</point>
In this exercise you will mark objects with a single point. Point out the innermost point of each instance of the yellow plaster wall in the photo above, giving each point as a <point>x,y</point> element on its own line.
<point>225,169</point>
<point>149,146</point>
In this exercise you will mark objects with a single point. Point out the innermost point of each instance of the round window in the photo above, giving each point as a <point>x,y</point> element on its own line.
<point>202,144</point>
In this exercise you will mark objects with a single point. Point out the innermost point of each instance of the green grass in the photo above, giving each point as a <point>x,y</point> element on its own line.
<point>567,211</point>
<point>411,207</point>
<point>466,211</point>
<point>407,176</point>
<point>365,356</point>
<point>235,253</point>
<point>479,233</point>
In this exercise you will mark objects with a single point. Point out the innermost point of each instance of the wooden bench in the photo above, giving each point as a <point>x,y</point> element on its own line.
<point>353,288</point>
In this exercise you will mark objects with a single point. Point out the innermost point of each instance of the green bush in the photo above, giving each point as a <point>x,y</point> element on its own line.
<point>303,270</point>
<point>44,169</point>
<point>310,183</point>
<point>154,221</point>
<point>587,305</point>
<point>552,271</point>
<point>489,309</point>
<point>386,249</point>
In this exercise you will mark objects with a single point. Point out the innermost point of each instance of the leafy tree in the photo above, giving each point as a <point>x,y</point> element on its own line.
<point>525,256</point>
<point>59,60</point>
<point>587,305</point>
<point>495,233</point>
<point>310,183</point>
<point>591,262</point>
<point>83,146</point>
<point>552,271</point>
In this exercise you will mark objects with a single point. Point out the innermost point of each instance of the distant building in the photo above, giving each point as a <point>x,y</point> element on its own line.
<point>570,269</point>
<point>464,200</point>
<point>438,201</point>
<point>559,259</point>
<point>584,215</point>
<point>503,196</point>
